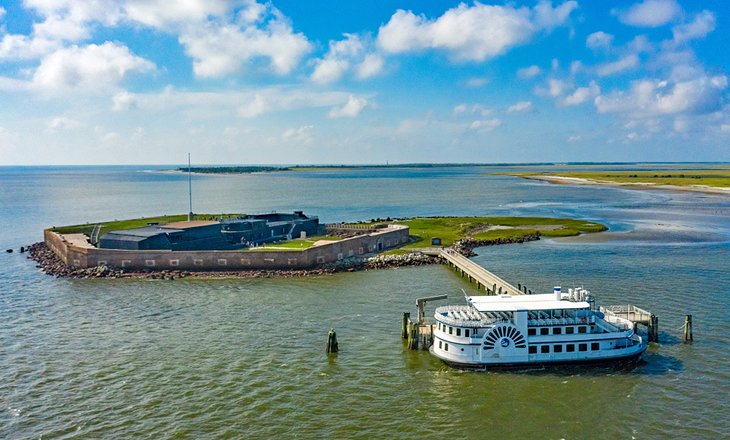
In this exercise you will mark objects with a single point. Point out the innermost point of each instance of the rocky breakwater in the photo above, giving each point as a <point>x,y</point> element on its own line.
<point>49,263</point>
<point>410,259</point>
<point>466,246</point>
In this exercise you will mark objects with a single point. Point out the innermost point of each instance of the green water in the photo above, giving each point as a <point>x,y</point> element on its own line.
<point>245,358</point>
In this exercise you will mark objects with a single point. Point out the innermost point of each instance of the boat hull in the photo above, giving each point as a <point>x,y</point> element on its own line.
<point>629,360</point>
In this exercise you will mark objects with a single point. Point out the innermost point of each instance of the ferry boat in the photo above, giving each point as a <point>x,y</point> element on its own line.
<point>532,330</point>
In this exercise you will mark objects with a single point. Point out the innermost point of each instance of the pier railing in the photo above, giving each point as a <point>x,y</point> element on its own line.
<point>629,312</point>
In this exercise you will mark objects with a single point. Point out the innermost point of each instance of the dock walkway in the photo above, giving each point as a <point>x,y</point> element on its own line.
<point>481,276</point>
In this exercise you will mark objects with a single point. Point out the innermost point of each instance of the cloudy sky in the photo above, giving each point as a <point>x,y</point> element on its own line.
<point>316,82</point>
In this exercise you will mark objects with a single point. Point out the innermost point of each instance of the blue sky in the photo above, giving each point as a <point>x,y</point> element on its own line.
<point>322,82</point>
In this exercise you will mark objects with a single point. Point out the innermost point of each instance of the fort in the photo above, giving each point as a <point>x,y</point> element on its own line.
<point>172,252</point>
<point>234,244</point>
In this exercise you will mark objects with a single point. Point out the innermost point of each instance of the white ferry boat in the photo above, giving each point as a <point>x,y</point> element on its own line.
<point>527,330</point>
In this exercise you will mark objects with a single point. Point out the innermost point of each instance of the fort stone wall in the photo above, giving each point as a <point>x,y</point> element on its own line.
<point>87,256</point>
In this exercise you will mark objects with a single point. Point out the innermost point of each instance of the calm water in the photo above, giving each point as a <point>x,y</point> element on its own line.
<point>245,357</point>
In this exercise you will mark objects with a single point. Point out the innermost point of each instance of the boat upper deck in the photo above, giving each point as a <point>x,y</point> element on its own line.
<point>514,303</point>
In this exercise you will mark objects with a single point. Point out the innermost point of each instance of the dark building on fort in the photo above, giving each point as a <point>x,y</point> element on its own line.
<point>226,234</point>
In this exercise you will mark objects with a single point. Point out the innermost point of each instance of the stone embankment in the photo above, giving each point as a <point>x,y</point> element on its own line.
<point>49,263</point>
<point>466,246</point>
<point>52,265</point>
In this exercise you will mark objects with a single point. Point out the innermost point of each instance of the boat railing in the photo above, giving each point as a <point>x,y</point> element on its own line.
<point>561,321</point>
<point>466,316</point>
<point>627,311</point>
<point>618,323</point>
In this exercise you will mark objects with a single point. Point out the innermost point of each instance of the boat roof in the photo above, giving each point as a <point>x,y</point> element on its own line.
<point>513,303</point>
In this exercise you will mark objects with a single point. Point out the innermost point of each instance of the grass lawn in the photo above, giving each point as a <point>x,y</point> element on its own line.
<point>716,177</point>
<point>293,245</point>
<point>451,229</point>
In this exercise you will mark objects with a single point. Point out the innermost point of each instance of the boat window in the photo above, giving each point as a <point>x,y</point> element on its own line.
<point>466,333</point>
<point>446,346</point>
<point>533,349</point>
<point>451,330</point>
<point>544,349</point>
<point>531,332</point>
<point>581,329</point>
<point>582,347</point>
<point>544,331</point>
<point>458,332</point>
<point>557,348</point>
<point>569,330</point>
<point>595,346</point>
<point>569,348</point>
<point>556,330</point>
<point>440,346</point>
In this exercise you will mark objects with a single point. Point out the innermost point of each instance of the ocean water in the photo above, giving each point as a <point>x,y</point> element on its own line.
<point>245,358</point>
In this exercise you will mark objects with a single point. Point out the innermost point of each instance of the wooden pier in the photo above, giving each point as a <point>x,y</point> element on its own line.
<point>483,278</point>
<point>637,316</point>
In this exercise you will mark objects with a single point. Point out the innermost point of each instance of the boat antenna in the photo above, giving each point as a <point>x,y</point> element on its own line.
<point>190,191</point>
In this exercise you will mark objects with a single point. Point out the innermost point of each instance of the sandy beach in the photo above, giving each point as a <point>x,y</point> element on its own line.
<point>565,180</point>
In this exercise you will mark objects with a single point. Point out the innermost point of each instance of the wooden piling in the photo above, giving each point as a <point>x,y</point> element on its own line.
<point>332,346</point>
<point>688,337</point>
<point>653,329</point>
<point>413,337</point>
<point>404,325</point>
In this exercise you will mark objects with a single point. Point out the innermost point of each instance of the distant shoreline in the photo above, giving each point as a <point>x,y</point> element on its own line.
<point>565,180</point>
<point>248,169</point>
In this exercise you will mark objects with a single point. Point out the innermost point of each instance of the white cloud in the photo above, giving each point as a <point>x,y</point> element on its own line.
<point>650,13</point>
<point>371,66</point>
<point>472,109</point>
<point>21,47</point>
<point>629,62</point>
<point>575,67</point>
<point>123,101</point>
<point>599,40</point>
<point>485,126</point>
<point>255,107</point>
<point>528,72</point>
<point>228,103</point>
<point>62,123</point>
<point>89,67</point>
<point>476,82</point>
<point>301,135</point>
<point>574,138</point>
<point>555,87</point>
<point>648,98</point>
<point>703,24</point>
<point>354,52</point>
<point>520,107</point>
<point>725,128</point>
<point>470,33</point>
<point>547,17</point>
<point>2,12</point>
<point>582,94</point>
<point>161,14</point>
<point>350,109</point>
<point>219,50</point>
